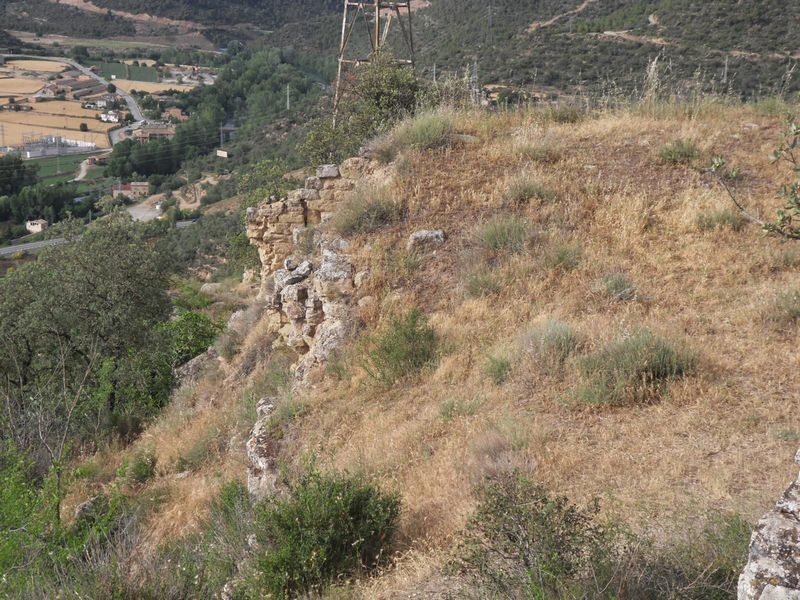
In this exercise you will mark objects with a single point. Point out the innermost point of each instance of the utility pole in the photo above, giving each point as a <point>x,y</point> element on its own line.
<point>490,36</point>
<point>220,133</point>
<point>725,72</point>
<point>434,72</point>
<point>287,96</point>
<point>374,14</point>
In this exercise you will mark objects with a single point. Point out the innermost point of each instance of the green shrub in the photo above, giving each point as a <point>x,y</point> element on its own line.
<point>563,256</point>
<point>330,525</point>
<point>483,281</point>
<point>538,153</point>
<point>426,131</point>
<point>523,187</point>
<point>634,368</point>
<point>619,287</point>
<point>551,342</point>
<point>720,219</point>
<point>400,348</point>
<point>680,151</point>
<point>367,209</point>
<point>505,233</point>
<point>143,467</point>
<point>523,543</point>
<point>189,298</point>
<point>497,368</point>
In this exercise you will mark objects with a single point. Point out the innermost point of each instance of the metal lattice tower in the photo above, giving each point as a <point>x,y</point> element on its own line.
<point>377,17</point>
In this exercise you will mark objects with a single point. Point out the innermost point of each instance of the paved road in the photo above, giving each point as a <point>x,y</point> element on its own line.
<point>9,250</point>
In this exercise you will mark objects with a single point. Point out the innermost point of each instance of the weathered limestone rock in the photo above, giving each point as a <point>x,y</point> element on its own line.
<point>262,451</point>
<point>210,288</point>
<point>327,171</point>
<point>773,567</point>
<point>190,371</point>
<point>425,237</point>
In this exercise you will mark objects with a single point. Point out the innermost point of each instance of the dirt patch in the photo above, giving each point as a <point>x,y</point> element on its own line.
<point>629,37</point>
<point>539,24</point>
<point>88,6</point>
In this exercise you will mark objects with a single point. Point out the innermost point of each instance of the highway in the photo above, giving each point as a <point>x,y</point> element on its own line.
<point>31,246</point>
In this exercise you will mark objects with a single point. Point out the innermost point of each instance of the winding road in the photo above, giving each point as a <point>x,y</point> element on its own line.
<point>133,107</point>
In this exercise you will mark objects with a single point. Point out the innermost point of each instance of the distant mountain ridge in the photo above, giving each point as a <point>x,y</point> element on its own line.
<point>579,45</point>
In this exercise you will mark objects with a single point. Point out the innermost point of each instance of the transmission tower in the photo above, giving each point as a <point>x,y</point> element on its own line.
<point>377,17</point>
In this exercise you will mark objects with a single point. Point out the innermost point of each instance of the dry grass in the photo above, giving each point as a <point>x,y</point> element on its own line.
<point>152,88</point>
<point>715,440</point>
<point>12,86</point>
<point>63,108</point>
<point>712,441</point>
<point>42,66</point>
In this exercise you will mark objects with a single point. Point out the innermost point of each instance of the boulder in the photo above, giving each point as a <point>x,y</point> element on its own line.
<point>327,171</point>
<point>210,288</point>
<point>425,237</point>
<point>191,371</point>
<point>773,566</point>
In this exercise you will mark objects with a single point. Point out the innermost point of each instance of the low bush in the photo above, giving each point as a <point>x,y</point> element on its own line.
<point>426,131</point>
<point>524,187</point>
<point>720,219</point>
<point>680,151</point>
<point>563,256</point>
<point>458,408</point>
<point>542,153</point>
<point>505,233</point>
<point>143,467</point>
<point>523,542</point>
<point>497,368</point>
<point>402,347</point>
<point>483,281</point>
<point>330,525</point>
<point>551,342</point>
<point>565,113</point>
<point>634,368</point>
<point>368,208</point>
<point>618,287</point>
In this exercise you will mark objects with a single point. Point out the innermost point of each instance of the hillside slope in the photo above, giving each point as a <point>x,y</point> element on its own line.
<point>558,227</point>
<point>598,47</point>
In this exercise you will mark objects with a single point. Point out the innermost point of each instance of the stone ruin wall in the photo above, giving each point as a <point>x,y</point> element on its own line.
<point>307,294</point>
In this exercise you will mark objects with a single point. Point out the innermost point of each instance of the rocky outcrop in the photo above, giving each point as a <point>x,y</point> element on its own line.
<point>262,453</point>
<point>425,237</point>
<point>773,566</point>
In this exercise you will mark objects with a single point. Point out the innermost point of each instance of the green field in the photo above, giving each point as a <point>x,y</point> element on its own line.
<point>123,71</point>
<point>143,74</point>
<point>65,164</point>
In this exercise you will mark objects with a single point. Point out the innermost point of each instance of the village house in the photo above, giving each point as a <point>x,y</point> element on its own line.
<point>154,131</point>
<point>133,190</point>
<point>36,226</point>
<point>112,116</point>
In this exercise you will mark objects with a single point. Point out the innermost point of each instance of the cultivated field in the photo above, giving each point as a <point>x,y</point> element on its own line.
<point>42,66</point>
<point>153,88</point>
<point>65,108</point>
<point>13,131</point>
<point>10,86</point>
